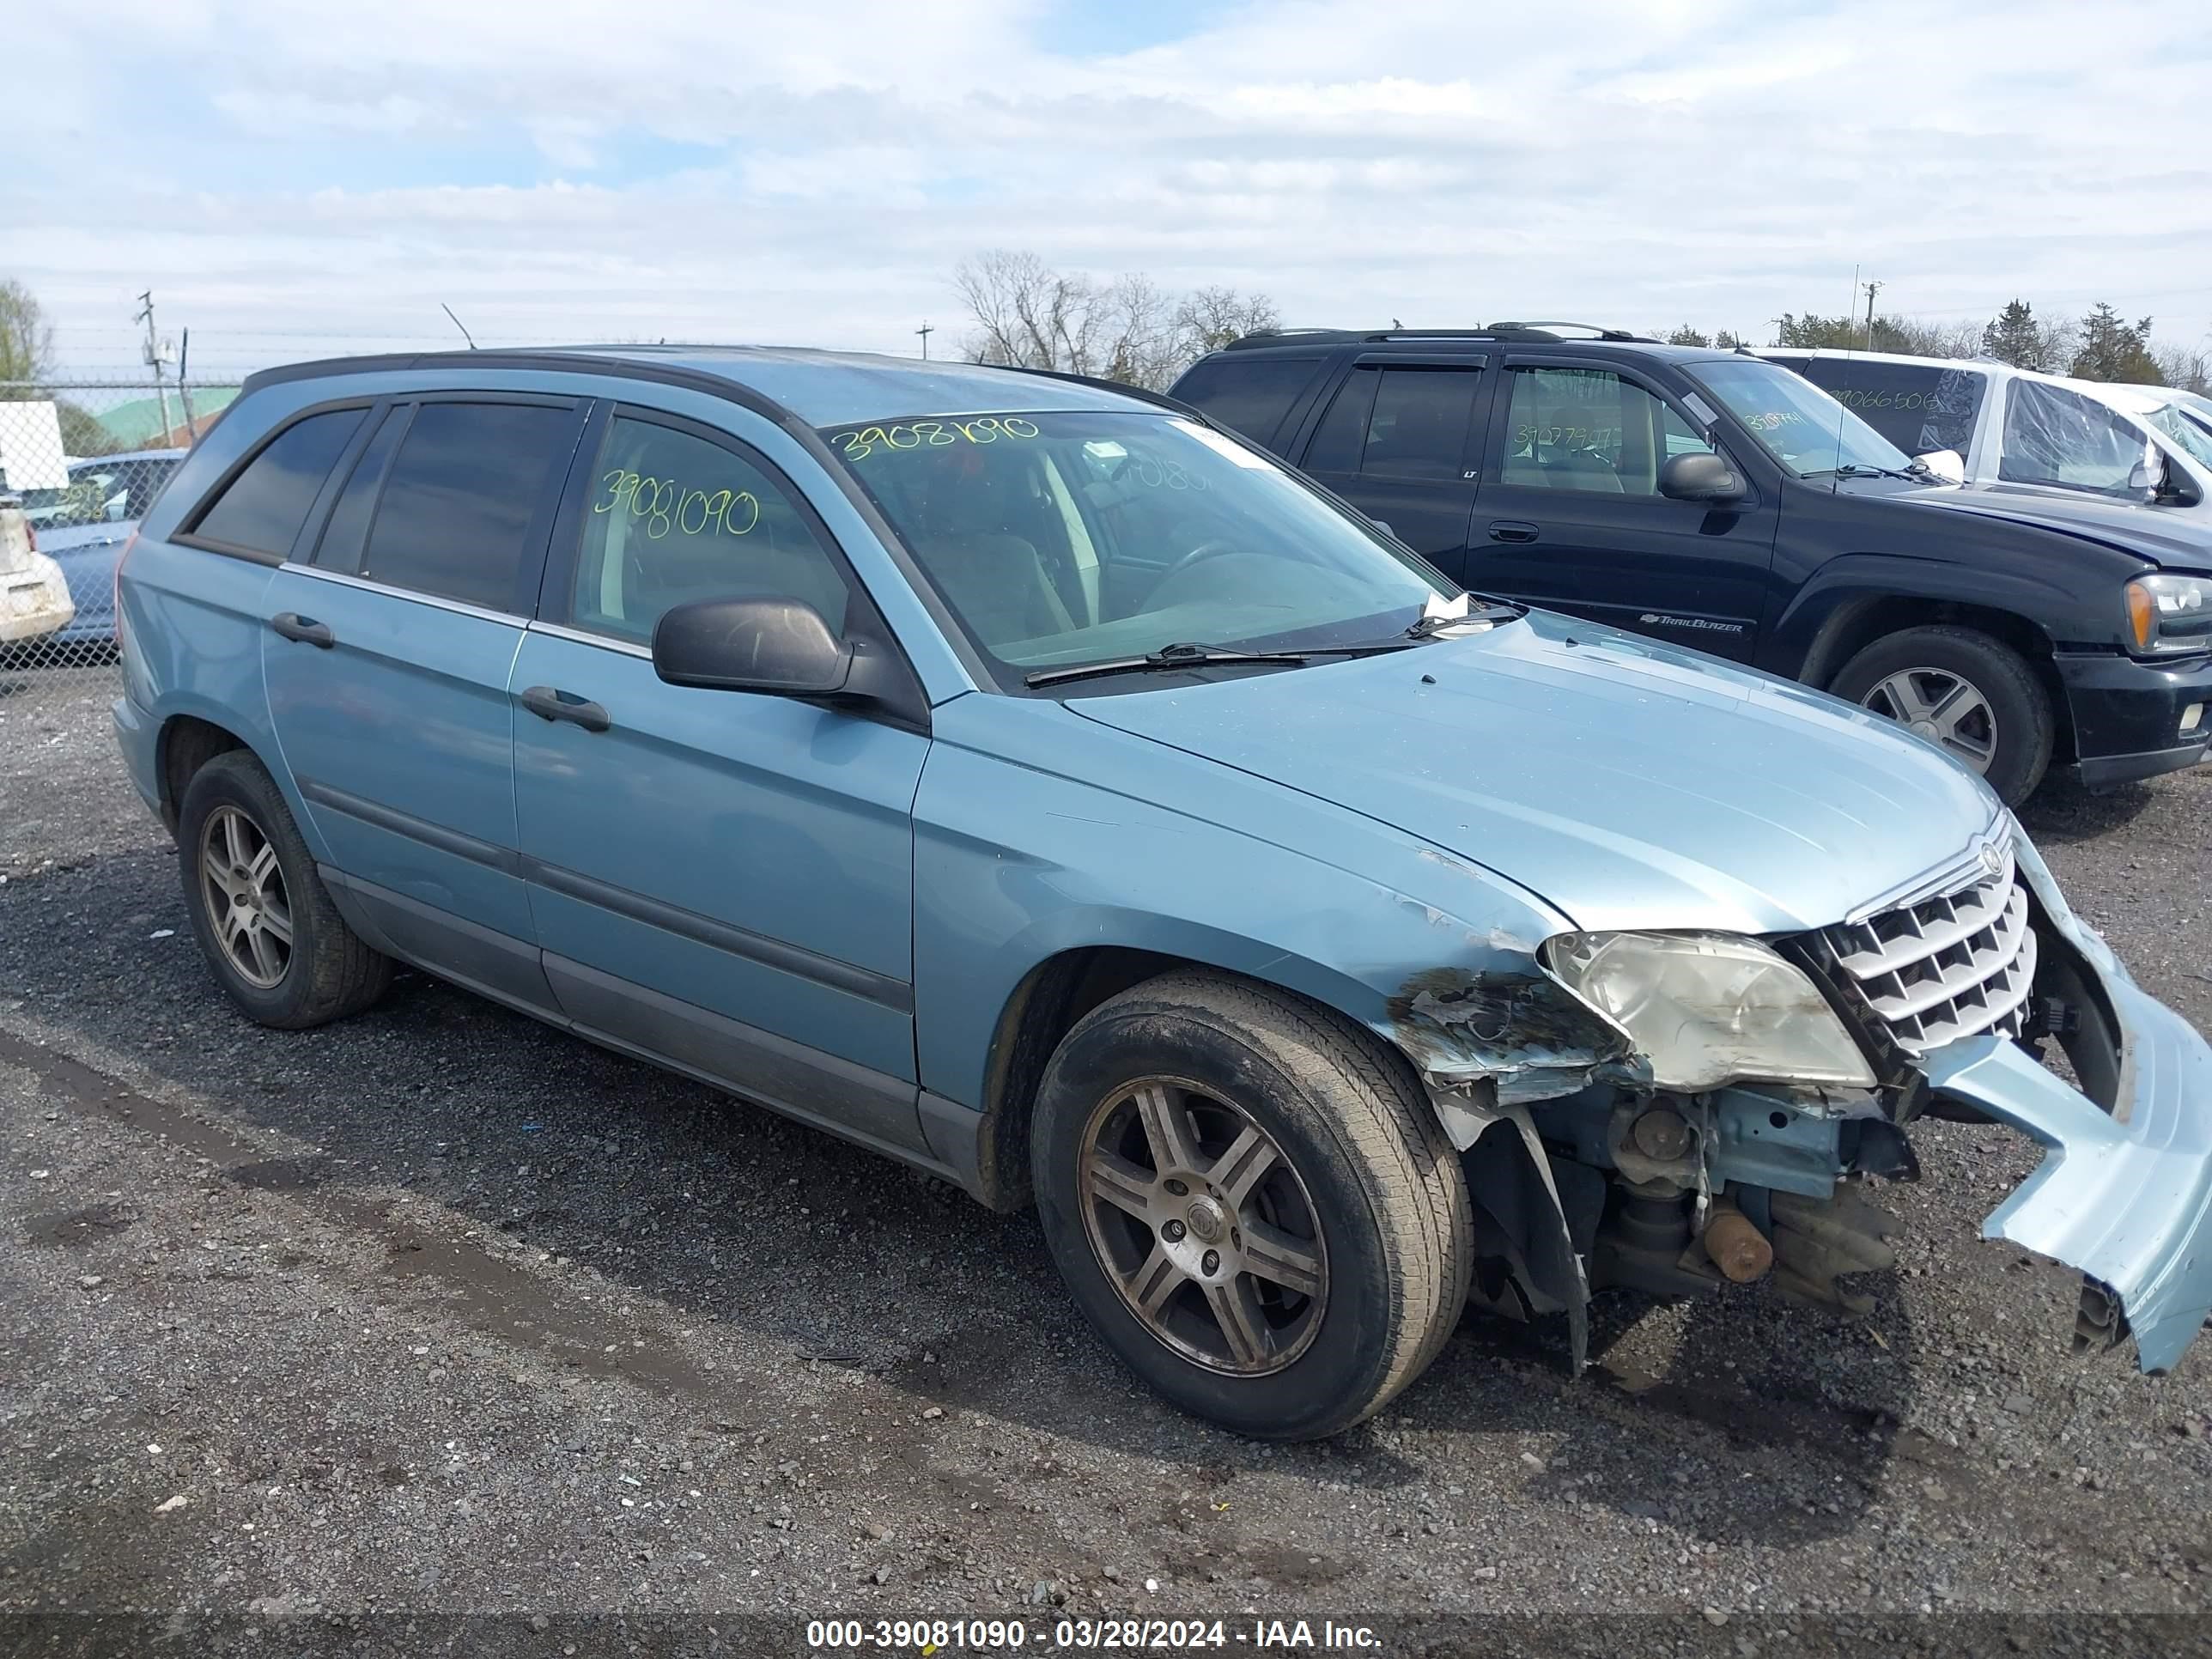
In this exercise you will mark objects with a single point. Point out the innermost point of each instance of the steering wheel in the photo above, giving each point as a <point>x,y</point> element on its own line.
<point>1214,548</point>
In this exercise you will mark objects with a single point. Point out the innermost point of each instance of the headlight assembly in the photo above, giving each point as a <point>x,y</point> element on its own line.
<point>2169,614</point>
<point>1706,1009</point>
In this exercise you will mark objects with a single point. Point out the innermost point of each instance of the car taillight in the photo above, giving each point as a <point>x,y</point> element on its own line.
<point>116,607</point>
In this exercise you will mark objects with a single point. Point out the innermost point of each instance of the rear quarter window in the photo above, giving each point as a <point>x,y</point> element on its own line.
<point>261,510</point>
<point>1250,394</point>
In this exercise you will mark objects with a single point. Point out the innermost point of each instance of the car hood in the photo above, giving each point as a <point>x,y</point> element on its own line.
<point>2166,536</point>
<point>1628,783</point>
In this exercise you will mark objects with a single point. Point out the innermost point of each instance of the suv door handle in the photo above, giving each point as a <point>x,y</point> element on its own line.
<point>1511,530</point>
<point>306,629</point>
<point>548,704</point>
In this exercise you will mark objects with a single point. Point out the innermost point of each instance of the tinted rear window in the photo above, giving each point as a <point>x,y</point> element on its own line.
<point>1406,422</point>
<point>1916,408</point>
<point>264,506</point>
<point>1251,394</point>
<point>343,536</point>
<point>455,516</point>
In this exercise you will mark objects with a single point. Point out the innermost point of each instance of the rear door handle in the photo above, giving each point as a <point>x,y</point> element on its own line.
<point>1511,530</point>
<point>306,629</point>
<point>549,704</point>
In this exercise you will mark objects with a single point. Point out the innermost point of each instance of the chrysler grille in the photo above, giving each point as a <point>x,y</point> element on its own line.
<point>1948,967</point>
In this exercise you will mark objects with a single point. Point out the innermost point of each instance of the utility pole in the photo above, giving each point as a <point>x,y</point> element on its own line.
<point>154,356</point>
<point>925,331</point>
<point>1872,288</point>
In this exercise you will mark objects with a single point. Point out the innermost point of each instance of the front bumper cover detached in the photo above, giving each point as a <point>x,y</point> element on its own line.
<point>2125,1195</point>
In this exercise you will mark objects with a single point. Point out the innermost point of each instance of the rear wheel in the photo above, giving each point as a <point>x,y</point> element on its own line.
<point>1968,693</point>
<point>1251,1203</point>
<point>264,919</point>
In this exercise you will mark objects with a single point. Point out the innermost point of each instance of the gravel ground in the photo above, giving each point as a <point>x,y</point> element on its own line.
<point>438,1330</point>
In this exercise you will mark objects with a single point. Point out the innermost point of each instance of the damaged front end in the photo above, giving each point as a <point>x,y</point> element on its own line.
<point>1675,1112</point>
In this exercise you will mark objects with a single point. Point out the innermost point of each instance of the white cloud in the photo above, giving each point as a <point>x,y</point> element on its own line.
<point>700,169</point>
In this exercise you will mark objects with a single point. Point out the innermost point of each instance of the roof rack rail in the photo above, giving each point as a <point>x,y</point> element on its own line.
<point>1598,329</point>
<point>1536,332</point>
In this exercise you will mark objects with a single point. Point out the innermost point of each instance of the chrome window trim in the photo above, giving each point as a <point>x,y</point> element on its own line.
<point>581,636</point>
<point>459,607</point>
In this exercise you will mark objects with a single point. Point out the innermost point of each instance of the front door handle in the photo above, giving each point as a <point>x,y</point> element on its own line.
<point>306,629</point>
<point>548,704</point>
<point>1511,530</point>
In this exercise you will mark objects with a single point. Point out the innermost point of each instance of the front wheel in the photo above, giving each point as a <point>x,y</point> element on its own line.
<point>1251,1203</point>
<point>1972,695</point>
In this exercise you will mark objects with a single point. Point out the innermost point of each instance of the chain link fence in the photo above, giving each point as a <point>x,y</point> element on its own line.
<point>80,462</point>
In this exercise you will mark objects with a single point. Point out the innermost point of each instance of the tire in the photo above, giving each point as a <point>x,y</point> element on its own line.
<point>2015,723</point>
<point>281,953</point>
<point>1363,1211</point>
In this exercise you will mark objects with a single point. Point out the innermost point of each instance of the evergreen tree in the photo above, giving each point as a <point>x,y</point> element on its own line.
<point>2112,350</point>
<point>2013,336</point>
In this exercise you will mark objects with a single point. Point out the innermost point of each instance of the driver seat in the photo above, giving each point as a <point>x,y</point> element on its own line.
<point>997,583</point>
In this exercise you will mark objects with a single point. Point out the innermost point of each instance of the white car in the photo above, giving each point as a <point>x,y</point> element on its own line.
<point>2014,428</point>
<point>34,597</point>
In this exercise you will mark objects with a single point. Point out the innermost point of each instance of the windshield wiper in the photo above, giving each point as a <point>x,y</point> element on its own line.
<point>1186,654</point>
<point>1428,627</point>
<point>1917,473</point>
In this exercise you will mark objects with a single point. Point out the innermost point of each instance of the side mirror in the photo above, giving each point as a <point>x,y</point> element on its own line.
<point>781,648</point>
<point>1381,525</point>
<point>1946,463</point>
<point>1699,475</point>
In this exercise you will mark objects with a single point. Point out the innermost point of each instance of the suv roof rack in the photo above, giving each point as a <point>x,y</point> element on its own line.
<point>1536,332</point>
<point>1597,329</point>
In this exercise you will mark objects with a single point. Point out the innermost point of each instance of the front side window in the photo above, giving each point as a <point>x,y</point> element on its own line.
<point>1590,430</point>
<point>264,506</point>
<point>1802,425</point>
<point>1398,423</point>
<point>1072,538</point>
<point>2178,424</point>
<point>460,498</point>
<point>674,518</point>
<point>2060,438</point>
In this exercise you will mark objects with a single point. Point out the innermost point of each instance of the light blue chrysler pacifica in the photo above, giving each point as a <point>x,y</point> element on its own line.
<point>1032,781</point>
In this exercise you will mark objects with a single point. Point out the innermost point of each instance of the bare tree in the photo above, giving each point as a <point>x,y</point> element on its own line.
<point>1208,318</point>
<point>1126,329</point>
<point>2184,368</point>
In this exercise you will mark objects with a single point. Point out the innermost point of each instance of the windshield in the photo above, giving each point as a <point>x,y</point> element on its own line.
<point>1808,431</point>
<point>1068,538</point>
<point>2183,429</point>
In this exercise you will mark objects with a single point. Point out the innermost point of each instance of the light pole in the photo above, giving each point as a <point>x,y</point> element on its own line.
<point>925,331</point>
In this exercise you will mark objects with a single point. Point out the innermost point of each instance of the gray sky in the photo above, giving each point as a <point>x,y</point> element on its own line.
<point>291,179</point>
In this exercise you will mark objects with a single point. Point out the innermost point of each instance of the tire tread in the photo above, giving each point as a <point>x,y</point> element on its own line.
<point>1383,1123</point>
<point>345,973</point>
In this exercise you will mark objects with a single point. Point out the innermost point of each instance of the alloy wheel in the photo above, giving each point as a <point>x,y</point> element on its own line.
<point>1940,706</point>
<point>244,887</point>
<point>1203,1226</point>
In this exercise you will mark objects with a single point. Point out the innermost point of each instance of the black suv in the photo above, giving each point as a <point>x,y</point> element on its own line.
<point>1714,499</point>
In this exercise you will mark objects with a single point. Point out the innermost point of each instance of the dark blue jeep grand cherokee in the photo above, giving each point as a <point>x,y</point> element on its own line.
<point>1717,500</point>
